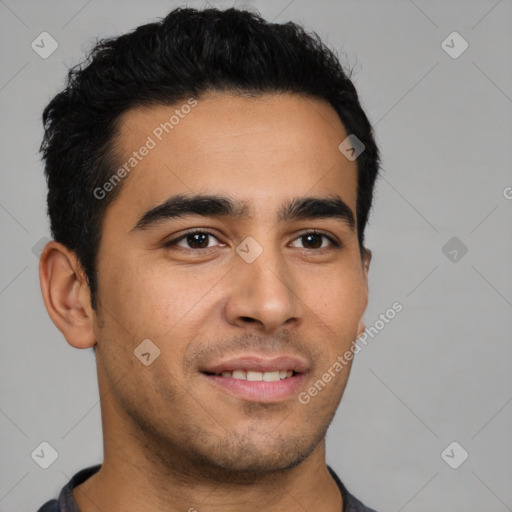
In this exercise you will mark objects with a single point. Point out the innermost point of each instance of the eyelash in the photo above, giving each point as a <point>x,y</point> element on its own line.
<point>171,243</point>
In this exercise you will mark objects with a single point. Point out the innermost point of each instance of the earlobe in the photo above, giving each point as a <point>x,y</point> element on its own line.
<point>66,295</point>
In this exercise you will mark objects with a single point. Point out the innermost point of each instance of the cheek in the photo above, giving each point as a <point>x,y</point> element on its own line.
<point>335,307</point>
<point>157,300</point>
<point>337,297</point>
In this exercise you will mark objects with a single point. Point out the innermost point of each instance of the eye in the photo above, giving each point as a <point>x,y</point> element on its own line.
<point>198,239</point>
<point>315,239</point>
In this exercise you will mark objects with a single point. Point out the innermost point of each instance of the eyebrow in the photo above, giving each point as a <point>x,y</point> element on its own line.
<point>208,205</point>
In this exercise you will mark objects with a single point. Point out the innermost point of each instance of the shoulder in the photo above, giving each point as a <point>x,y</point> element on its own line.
<point>350,502</point>
<point>50,506</point>
<point>66,501</point>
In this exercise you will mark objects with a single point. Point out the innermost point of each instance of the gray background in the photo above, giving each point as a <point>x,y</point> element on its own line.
<point>439,372</point>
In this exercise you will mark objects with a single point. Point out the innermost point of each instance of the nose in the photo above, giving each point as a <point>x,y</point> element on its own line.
<point>263,293</point>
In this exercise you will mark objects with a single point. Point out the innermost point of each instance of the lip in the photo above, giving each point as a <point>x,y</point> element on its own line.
<point>258,363</point>
<point>258,391</point>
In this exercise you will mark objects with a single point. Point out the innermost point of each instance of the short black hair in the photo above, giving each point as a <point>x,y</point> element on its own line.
<point>186,54</point>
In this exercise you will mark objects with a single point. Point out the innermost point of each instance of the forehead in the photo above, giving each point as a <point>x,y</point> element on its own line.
<point>260,149</point>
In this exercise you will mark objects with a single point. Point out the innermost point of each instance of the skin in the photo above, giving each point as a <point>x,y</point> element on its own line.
<point>172,441</point>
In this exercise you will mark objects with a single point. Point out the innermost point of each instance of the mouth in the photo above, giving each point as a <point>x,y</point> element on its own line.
<point>256,376</point>
<point>258,379</point>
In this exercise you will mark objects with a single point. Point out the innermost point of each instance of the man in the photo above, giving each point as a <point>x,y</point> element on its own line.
<point>210,178</point>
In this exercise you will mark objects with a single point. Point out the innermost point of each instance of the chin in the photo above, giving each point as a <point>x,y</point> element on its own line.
<point>245,460</point>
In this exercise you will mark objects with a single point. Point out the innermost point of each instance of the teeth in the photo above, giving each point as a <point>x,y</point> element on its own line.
<point>255,376</point>
<point>271,376</point>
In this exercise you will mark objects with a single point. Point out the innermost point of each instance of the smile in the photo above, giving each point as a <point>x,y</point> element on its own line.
<point>256,376</point>
<point>262,378</point>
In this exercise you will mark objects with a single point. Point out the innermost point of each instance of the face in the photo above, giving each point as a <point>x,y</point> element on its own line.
<point>251,282</point>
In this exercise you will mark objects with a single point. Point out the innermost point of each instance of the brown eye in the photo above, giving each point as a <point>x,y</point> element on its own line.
<point>197,240</point>
<point>315,240</point>
<point>193,240</point>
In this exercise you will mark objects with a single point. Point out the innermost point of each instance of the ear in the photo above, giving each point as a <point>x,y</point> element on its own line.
<point>366,257</point>
<point>66,295</point>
